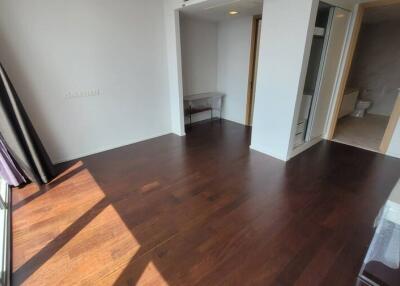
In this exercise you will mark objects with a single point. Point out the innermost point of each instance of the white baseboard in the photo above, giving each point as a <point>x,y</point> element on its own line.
<point>107,148</point>
<point>268,153</point>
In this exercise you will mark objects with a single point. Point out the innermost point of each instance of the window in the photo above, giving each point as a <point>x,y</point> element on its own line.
<point>4,233</point>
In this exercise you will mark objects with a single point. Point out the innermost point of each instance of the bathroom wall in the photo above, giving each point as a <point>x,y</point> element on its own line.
<point>376,66</point>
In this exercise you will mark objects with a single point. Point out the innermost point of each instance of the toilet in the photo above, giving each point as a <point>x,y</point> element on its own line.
<point>361,108</point>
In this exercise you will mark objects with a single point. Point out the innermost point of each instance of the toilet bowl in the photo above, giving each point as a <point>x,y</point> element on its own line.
<point>361,108</point>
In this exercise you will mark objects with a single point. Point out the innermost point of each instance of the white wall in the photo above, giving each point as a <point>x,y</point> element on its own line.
<point>98,45</point>
<point>174,59</point>
<point>284,51</point>
<point>199,55</point>
<point>234,45</point>
<point>51,48</point>
<point>394,147</point>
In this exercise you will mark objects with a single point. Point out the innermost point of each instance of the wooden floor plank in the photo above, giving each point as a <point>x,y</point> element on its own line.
<point>201,210</point>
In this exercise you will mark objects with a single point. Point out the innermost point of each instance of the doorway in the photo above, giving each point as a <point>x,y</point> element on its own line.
<point>218,45</point>
<point>254,54</point>
<point>368,106</point>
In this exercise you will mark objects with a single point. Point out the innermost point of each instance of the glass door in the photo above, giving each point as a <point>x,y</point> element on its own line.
<point>314,71</point>
<point>4,233</point>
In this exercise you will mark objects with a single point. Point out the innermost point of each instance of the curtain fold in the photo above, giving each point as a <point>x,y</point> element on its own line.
<point>9,171</point>
<point>20,138</point>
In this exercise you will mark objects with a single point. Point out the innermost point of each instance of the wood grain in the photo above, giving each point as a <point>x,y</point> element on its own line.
<point>202,210</point>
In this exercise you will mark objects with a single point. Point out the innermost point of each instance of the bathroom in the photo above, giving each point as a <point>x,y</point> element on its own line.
<point>371,99</point>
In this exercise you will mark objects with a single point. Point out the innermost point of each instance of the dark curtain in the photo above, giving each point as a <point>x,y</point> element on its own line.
<point>22,142</point>
<point>9,171</point>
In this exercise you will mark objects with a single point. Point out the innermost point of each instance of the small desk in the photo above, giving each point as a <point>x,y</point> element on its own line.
<point>197,103</point>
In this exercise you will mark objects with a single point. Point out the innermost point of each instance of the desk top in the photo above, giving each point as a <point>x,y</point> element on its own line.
<point>203,96</point>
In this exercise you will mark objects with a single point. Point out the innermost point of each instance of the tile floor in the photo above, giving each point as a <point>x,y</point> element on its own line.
<point>366,132</point>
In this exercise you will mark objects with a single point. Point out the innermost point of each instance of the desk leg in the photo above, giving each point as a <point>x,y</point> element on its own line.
<point>190,116</point>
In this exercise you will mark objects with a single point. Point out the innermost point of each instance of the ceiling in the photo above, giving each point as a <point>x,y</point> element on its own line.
<point>218,10</point>
<point>380,14</point>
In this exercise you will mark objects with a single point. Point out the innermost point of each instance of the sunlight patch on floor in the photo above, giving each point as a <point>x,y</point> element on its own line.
<point>34,194</point>
<point>93,247</point>
<point>42,210</point>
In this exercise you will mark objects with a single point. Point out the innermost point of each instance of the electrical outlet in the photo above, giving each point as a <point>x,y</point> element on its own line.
<point>79,94</point>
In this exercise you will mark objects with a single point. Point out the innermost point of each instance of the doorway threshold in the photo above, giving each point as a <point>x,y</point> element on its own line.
<point>355,145</point>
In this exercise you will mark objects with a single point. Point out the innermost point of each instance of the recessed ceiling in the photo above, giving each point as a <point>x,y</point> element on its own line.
<point>381,14</point>
<point>218,10</point>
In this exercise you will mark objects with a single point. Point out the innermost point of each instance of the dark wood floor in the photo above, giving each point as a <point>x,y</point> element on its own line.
<point>202,210</point>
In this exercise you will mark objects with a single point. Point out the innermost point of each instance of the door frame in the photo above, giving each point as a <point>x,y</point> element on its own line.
<point>253,54</point>
<point>360,11</point>
<point>394,118</point>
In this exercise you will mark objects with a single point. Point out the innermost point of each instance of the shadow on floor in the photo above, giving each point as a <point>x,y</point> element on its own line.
<point>205,210</point>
